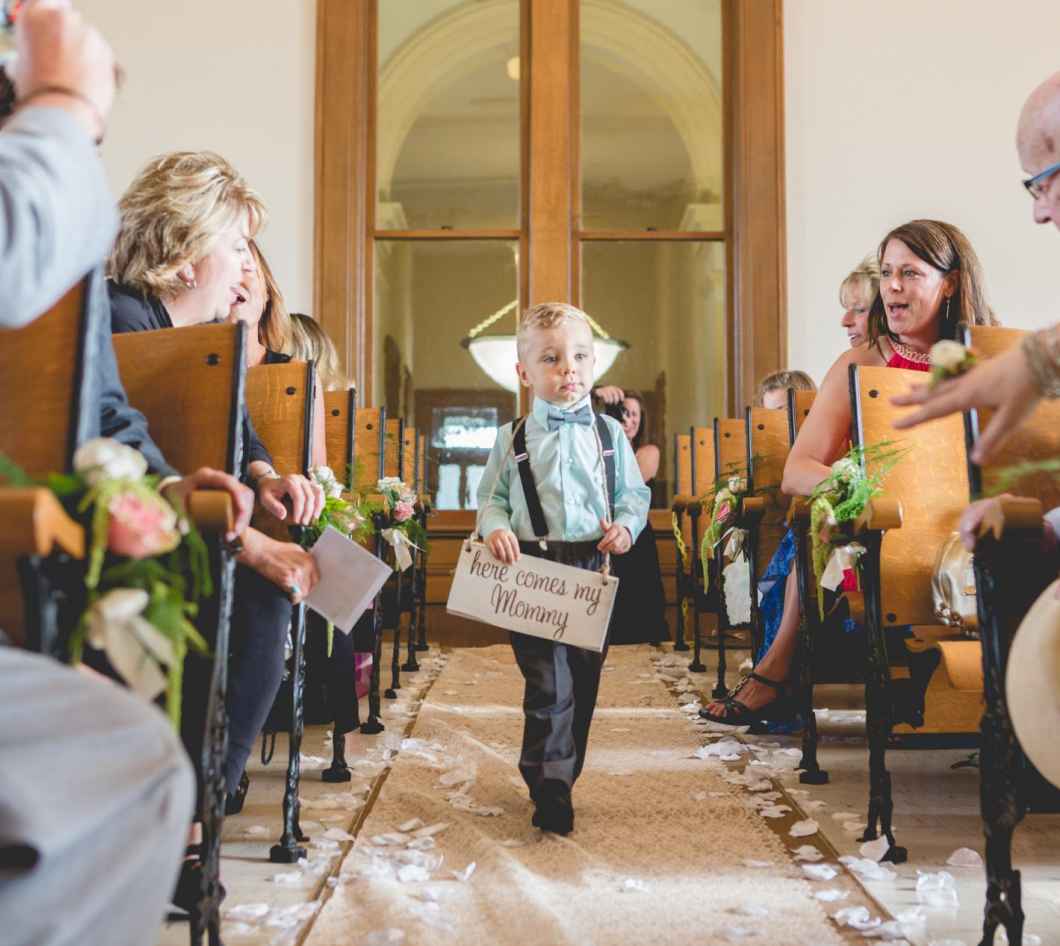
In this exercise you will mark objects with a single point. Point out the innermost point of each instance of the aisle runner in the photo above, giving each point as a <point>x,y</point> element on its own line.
<point>657,855</point>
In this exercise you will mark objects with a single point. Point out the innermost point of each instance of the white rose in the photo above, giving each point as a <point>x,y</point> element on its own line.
<point>947,355</point>
<point>737,484</point>
<point>389,483</point>
<point>846,469</point>
<point>106,459</point>
<point>322,474</point>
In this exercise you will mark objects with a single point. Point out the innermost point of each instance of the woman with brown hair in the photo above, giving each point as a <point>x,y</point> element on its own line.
<point>639,615</point>
<point>264,312</point>
<point>930,281</point>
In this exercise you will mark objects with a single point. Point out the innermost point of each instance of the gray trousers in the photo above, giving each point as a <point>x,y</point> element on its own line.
<point>561,687</point>
<point>96,796</point>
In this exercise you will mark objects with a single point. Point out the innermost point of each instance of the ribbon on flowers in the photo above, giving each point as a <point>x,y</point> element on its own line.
<point>401,545</point>
<point>843,557</point>
<point>134,646</point>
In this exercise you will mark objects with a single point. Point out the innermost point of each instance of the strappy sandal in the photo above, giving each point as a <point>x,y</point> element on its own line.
<point>188,889</point>
<point>737,713</point>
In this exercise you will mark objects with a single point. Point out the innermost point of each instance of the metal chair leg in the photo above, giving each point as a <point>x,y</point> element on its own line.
<point>395,654</point>
<point>288,849</point>
<point>411,664</point>
<point>812,773</point>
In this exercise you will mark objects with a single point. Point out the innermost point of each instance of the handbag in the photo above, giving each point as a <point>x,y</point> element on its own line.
<point>953,586</point>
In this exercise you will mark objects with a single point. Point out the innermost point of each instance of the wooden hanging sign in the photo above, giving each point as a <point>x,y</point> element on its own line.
<point>534,596</point>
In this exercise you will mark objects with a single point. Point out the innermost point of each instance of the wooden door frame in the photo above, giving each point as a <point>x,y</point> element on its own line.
<point>344,200</point>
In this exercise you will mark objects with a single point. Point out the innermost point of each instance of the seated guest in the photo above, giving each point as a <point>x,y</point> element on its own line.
<point>772,392</point>
<point>856,293</point>
<point>269,325</point>
<point>930,281</point>
<point>640,608</point>
<point>128,809</point>
<point>309,342</point>
<point>182,257</point>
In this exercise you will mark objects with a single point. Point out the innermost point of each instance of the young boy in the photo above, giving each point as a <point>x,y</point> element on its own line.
<point>547,483</point>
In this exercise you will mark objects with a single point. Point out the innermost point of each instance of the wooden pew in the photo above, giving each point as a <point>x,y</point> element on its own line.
<point>702,472</point>
<point>1010,572</point>
<point>730,456</point>
<point>424,509</point>
<point>407,603</point>
<point>369,468</point>
<point>682,501</point>
<point>340,433</point>
<point>768,444</point>
<point>280,400</point>
<point>901,531</point>
<point>46,412</point>
<point>189,385</point>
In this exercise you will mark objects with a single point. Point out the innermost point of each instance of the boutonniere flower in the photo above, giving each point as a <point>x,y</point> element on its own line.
<point>950,360</point>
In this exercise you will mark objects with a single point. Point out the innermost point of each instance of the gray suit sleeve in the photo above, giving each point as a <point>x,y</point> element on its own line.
<point>57,216</point>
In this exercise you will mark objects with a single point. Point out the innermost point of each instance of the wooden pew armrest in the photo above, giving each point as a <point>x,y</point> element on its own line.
<point>753,508</point>
<point>682,502</point>
<point>33,522</point>
<point>881,513</point>
<point>1009,515</point>
<point>211,511</point>
<point>799,512</point>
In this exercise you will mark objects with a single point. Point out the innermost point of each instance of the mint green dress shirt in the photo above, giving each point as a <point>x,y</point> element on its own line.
<point>568,473</point>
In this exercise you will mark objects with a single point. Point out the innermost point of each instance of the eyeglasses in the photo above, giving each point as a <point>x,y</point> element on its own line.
<point>1036,185</point>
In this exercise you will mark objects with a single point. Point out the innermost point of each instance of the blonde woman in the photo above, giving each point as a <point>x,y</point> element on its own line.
<point>856,295</point>
<point>309,342</point>
<point>183,257</point>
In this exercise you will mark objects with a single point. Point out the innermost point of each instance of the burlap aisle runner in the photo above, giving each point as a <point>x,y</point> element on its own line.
<point>657,855</point>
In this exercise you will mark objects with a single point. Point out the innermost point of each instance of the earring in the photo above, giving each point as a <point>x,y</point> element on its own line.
<point>947,315</point>
<point>190,283</point>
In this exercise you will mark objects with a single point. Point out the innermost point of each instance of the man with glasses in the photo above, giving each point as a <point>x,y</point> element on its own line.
<point>1013,383</point>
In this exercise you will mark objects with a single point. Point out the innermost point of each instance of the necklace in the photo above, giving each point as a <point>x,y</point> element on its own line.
<point>910,354</point>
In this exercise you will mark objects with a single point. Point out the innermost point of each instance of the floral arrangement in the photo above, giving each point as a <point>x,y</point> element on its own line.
<point>725,504</point>
<point>146,570</point>
<point>950,360</point>
<point>840,498</point>
<point>342,512</point>
<point>401,527</point>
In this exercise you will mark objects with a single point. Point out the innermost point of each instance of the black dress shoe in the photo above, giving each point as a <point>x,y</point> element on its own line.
<point>234,802</point>
<point>554,813</point>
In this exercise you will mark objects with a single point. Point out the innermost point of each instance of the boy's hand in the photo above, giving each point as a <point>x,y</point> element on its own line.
<point>504,545</point>
<point>616,540</point>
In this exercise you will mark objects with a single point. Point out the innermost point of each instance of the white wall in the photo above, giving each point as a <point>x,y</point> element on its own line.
<point>908,109</point>
<point>232,76</point>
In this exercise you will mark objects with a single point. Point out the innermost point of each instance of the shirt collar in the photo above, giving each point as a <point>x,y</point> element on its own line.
<point>541,408</point>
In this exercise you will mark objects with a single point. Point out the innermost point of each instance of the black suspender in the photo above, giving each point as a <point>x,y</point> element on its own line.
<point>526,475</point>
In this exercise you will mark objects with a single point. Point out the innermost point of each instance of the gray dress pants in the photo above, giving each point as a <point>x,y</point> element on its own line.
<point>561,687</point>
<point>96,795</point>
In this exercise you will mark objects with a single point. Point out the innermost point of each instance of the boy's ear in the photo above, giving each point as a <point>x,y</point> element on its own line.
<point>524,378</point>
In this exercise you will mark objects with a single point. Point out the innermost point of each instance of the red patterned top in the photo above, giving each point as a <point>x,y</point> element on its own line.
<point>897,361</point>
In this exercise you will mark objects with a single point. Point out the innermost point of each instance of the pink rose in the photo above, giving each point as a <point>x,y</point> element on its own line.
<point>724,511</point>
<point>141,526</point>
<point>403,511</point>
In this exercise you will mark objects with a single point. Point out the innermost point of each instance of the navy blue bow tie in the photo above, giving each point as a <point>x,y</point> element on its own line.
<point>557,418</point>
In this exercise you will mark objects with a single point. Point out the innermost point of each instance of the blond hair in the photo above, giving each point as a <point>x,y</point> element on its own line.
<point>866,275</point>
<point>173,213</point>
<point>546,315</point>
<point>309,342</point>
<point>274,327</point>
<point>783,381</point>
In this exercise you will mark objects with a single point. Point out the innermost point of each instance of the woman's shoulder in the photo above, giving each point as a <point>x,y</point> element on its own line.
<point>131,310</point>
<point>864,356</point>
<point>648,450</point>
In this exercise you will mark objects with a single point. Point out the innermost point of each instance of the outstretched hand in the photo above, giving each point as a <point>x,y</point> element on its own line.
<point>1004,383</point>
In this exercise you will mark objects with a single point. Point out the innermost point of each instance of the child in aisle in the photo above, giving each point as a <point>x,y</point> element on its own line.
<point>563,485</point>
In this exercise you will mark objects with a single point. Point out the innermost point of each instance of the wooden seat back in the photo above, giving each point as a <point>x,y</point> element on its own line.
<point>370,433</point>
<point>730,447</point>
<point>280,401</point>
<point>702,441</point>
<point>682,465</point>
<point>929,481</point>
<point>189,384</point>
<point>421,463</point>
<point>49,397</point>
<point>768,443</point>
<point>799,404</point>
<point>393,454</point>
<point>408,456</point>
<point>340,433</point>
<point>1037,438</point>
